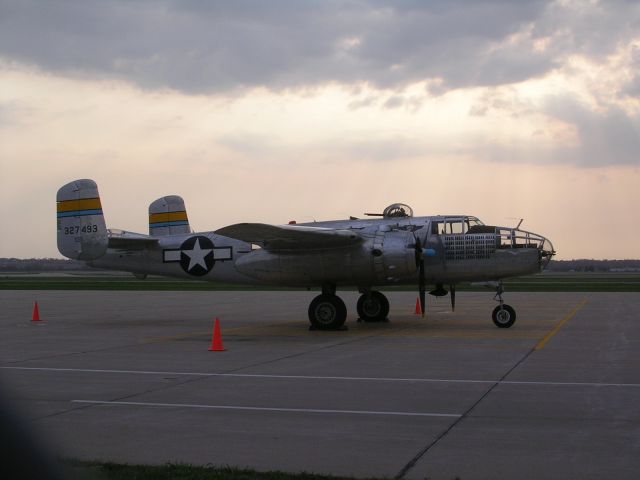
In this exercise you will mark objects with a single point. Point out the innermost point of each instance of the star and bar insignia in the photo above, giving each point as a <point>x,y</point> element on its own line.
<point>197,255</point>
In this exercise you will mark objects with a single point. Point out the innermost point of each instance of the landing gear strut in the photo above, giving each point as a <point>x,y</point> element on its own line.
<point>503,315</point>
<point>373,306</point>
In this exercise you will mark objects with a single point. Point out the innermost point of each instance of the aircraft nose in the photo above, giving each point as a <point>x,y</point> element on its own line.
<point>546,251</point>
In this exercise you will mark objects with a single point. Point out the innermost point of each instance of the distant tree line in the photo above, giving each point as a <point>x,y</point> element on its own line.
<point>57,265</point>
<point>584,265</point>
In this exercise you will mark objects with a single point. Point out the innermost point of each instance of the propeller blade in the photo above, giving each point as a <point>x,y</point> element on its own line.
<point>452,291</point>
<point>421,276</point>
<point>421,289</point>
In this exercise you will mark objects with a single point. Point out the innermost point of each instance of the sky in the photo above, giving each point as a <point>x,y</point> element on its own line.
<point>318,110</point>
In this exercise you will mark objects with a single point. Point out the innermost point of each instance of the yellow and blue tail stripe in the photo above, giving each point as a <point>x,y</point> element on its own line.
<point>168,219</point>
<point>79,208</point>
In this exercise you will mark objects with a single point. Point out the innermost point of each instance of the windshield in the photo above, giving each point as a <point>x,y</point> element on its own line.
<point>455,225</point>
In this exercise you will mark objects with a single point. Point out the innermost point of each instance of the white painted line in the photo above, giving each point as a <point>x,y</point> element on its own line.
<point>312,377</point>
<point>265,409</point>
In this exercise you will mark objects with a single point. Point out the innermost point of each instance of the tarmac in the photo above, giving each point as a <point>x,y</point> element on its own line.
<point>128,377</point>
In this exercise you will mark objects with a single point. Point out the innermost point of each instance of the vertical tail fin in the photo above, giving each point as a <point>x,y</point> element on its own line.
<point>168,216</point>
<point>82,233</point>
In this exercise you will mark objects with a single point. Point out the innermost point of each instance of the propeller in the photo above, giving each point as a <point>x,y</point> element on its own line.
<point>452,292</point>
<point>421,276</point>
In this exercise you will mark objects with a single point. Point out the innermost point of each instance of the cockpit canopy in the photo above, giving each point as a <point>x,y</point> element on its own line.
<point>459,225</point>
<point>397,210</point>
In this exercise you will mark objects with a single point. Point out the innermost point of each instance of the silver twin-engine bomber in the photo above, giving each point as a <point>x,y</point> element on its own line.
<point>389,248</point>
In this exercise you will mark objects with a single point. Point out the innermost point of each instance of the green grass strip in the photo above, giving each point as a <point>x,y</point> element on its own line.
<point>537,283</point>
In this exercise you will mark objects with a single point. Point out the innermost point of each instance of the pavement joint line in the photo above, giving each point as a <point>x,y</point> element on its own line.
<point>201,377</point>
<point>413,462</point>
<point>305,352</point>
<point>70,354</point>
<point>541,344</point>
<point>329,378</point>
<point>265,409</point>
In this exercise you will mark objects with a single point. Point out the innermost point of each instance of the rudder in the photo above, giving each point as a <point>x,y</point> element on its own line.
<point>82,233</point>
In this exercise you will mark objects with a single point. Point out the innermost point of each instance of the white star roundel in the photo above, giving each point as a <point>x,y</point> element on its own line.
<point>196,255</point>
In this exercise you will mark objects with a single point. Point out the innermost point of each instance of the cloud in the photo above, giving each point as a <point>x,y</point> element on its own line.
<point>575,135</point>
<point>611,137</point>
<point>198,46</point>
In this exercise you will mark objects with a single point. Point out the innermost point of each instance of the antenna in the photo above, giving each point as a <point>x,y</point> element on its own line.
<point>515,218</point>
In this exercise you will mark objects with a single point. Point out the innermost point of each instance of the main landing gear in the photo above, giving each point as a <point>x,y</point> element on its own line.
<point>503,315</point>
<point>373,306</point>
<point>328,312</point>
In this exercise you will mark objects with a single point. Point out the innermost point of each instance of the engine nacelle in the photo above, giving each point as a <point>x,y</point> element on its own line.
<point>394,255</point>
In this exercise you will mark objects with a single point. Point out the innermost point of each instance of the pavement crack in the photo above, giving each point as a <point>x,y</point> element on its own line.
<point>412,463</point>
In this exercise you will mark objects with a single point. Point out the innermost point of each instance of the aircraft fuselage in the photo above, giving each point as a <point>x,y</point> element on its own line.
<point>385,257</point>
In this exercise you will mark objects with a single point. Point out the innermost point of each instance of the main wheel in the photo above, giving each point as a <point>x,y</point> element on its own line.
<point>504,316</point>
<point>327,312</point>
<point>373,307</point>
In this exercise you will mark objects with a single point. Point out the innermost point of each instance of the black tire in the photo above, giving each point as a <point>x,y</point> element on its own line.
<point>373,307</point>
<point>327,312</point>
<point>503,316</point>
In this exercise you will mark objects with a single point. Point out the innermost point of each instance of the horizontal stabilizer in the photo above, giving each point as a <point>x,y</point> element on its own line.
<point>127,241</point>
<point>290,237</point>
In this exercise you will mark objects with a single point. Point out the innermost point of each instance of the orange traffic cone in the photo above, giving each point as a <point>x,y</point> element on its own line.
<point>418,307</point>
<point>216,343</point>
<point>36,313</point>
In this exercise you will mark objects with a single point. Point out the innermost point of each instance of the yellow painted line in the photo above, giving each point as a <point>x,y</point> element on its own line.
<point>541,344</point>
<point>248,330</point>
<point>179,336</point>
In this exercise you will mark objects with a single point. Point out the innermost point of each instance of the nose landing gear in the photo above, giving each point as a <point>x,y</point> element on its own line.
<point>503,315</point>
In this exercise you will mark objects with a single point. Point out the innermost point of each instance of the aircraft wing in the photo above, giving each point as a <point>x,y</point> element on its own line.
<point>290,237</point>
<point>126,241</point>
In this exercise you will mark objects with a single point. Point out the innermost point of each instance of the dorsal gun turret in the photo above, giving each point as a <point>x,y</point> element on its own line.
<point>395,210</point>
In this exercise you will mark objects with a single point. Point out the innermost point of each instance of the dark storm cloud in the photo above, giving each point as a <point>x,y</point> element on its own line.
<point>208,46</point>
<point>202,46</point>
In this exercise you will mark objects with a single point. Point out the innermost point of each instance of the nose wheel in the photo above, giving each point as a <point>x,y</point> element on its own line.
<point>503,315</point>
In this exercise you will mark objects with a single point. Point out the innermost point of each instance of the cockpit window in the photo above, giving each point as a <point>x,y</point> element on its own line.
<point>473,221</point>
<point>455,225</point>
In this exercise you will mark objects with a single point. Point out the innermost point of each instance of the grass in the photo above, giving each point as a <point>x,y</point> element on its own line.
<point>547,282</point>
<point>112,471</point>
<point>116,282</point>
